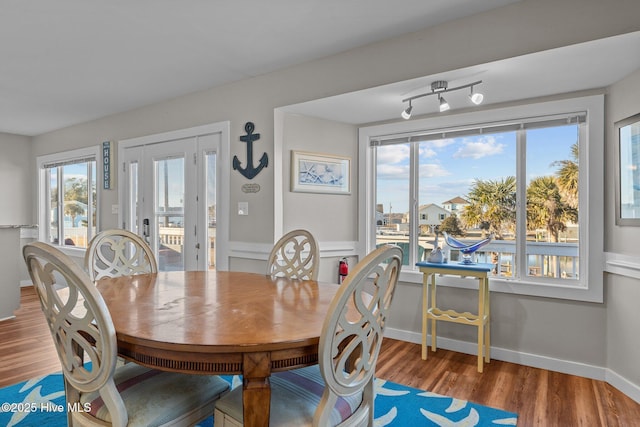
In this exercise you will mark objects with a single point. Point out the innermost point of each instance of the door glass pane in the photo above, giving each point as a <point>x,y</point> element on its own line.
<point>133,198</point>
<point>53,205</point>
<point>169,212</point>
<point>211,209</point>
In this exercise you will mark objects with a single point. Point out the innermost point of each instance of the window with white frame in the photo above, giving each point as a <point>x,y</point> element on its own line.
<point>527,174</point>
<point>68,200</point>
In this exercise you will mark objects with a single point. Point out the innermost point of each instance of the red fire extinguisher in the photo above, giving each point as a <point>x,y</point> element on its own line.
<point>343,269</point>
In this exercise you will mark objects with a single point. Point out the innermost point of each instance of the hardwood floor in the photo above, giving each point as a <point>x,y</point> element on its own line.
<point>27,349</point>
<point>539,397</point>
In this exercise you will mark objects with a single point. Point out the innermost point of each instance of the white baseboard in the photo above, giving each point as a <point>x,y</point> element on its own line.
<point>528,359</point>
<point>623,384</point>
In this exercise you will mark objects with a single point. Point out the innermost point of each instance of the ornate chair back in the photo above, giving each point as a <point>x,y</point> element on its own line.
<point>83,332</point>
<point>340,390</point>
<point>113,253</point>
<point>79,322</point>
<point>350,343</point>
<point>295,255</point>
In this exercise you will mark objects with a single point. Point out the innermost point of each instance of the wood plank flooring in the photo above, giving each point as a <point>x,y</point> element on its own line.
<point>26,348</point>
<point>539,397</point>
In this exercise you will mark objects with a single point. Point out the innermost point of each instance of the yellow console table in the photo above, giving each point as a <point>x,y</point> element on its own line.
<point>431,311</point>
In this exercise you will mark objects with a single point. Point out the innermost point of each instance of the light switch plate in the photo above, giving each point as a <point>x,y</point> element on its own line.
<point>243,208</point>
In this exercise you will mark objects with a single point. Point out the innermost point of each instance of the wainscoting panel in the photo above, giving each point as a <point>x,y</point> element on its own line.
<point>624,265</point>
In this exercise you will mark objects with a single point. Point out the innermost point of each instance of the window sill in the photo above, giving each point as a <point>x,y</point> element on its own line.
<point>510,286</point>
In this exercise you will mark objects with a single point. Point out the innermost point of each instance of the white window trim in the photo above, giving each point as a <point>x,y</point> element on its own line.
<point>591,192</point>
<point>80,153</point>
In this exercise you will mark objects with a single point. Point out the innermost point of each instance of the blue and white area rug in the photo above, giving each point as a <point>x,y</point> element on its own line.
<point>41,402</point>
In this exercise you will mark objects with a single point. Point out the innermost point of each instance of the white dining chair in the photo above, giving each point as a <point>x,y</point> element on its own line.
<point>295,255</point>
<point>85,339</point>
<point>339,391</point>
<point>116,252</point>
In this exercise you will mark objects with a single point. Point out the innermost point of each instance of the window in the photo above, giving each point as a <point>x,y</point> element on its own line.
<point>527,175</point>
<point>68,197</point>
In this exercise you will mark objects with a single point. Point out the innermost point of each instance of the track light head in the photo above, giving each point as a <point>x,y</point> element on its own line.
<point>444,105</point>
<point>406,113</point>
<point>476,97</point>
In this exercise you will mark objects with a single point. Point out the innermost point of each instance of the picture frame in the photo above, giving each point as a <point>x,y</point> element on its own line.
<point>627,173</point>
<point>320,173</point>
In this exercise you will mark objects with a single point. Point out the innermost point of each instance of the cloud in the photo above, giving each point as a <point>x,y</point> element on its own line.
<point>441,143</point>
<point>482,147</point>
<point>429,149</point>
<point>426,152</point>
<point>390,154</point>
<point>431,170</point>
<point>393,171</point>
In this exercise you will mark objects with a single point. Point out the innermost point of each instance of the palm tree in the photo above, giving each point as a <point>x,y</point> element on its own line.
<point>567,175</point>
<point>492,204</point>
<point>546,208</point>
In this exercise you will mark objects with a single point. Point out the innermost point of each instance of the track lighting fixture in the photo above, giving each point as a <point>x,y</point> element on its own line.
<point>438,88</point>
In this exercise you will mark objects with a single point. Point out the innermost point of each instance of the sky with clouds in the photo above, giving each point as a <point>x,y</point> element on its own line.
<point>448,167</point>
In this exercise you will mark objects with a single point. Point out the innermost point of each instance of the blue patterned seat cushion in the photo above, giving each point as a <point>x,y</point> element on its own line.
<point>295,395</point>
<point>157,398</point>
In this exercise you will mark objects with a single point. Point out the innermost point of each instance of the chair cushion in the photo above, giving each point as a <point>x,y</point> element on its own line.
<point>156,398</point>
<point>295,395</point>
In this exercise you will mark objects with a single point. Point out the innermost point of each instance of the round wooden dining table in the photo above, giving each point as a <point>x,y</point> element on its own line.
<point>219,322</point>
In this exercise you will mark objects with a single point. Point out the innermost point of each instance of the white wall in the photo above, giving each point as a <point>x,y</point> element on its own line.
<point>16,181</point>
<point>559,330</point>
<point>622,294</point>
<point>623,100</point>
<point>330,218</point>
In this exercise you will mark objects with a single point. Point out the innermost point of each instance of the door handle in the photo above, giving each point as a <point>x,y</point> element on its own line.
<point>145,229</point>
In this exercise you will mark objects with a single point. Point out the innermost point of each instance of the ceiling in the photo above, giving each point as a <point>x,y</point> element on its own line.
<point>71,61</point>
<point>584,66</point>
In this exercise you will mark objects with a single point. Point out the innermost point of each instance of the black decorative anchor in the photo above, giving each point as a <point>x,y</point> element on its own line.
<point>250,171</point>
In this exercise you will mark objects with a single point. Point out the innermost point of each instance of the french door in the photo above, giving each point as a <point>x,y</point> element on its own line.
<point>169,197</point>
